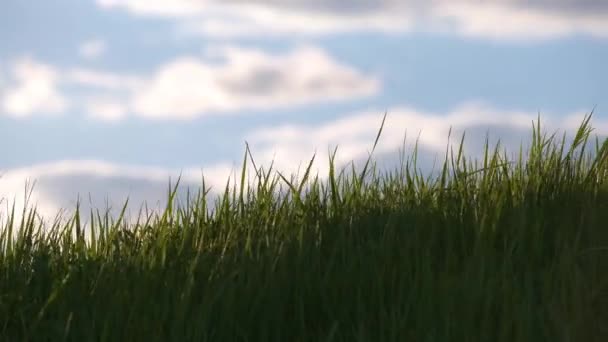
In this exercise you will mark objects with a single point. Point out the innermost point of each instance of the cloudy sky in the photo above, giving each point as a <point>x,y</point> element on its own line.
<point>110,98</point>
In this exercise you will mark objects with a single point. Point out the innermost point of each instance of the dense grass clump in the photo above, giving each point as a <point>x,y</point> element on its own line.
<point>500,251</point>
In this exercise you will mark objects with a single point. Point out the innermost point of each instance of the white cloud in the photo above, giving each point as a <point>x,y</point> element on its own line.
<point>505,21</point>
<point>35,90</point>
<point>235,18</point>
<point>188,87</point>
<point>92,49</point>
<point>182,88</point>
<point>495,19</point>
<point>255,20</point>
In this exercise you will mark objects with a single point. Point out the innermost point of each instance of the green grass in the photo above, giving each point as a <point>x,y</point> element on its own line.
<point>490,250</point>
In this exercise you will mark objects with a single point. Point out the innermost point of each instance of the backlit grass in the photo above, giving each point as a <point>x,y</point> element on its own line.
<point>489,250</point>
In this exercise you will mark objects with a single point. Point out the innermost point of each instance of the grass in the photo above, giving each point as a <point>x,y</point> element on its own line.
<point>495,250</point>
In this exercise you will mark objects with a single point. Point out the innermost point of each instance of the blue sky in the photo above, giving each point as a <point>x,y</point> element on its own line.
<point>112,97</point>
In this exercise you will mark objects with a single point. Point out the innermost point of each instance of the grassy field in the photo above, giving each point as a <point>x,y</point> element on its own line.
<point>489,250</point>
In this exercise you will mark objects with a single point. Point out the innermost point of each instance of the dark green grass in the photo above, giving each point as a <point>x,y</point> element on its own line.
<point>500,251</point>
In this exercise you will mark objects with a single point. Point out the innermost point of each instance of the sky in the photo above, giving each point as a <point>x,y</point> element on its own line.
<point>105,100</point>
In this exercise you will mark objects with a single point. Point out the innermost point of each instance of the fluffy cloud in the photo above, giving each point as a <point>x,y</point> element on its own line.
<point>34,90</point>
<point>255,20</point>
<point>515,20</point>
<point>188,87</point>
<point>510,19</point>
